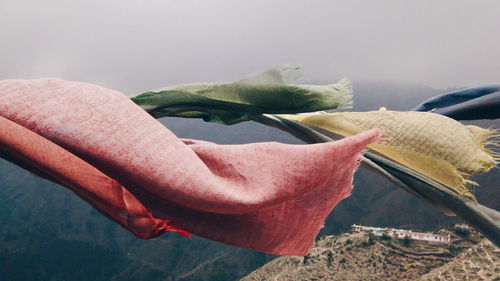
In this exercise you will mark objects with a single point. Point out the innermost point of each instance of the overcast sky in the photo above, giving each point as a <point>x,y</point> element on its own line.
<point>139,45</point>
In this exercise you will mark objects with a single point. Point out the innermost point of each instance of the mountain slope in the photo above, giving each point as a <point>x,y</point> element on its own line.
<point>360,256</point>
<point>481,262</point>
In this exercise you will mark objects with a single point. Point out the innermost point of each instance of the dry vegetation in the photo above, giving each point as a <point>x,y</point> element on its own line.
<point>365,257</point>
<point>481,262</point>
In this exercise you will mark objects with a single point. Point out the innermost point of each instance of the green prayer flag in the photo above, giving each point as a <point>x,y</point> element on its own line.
<point>271,91</point>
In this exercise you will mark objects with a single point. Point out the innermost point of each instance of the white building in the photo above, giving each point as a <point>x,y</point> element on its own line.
<point>402,233</point>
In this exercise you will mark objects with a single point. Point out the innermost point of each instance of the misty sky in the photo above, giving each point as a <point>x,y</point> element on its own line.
<point>134,46</point>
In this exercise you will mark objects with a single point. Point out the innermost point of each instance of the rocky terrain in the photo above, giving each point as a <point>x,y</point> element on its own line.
<point>362,256</point>
<point>481,262</point>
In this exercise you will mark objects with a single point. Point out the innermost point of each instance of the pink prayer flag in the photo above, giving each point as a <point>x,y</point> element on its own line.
<point>269,197</point>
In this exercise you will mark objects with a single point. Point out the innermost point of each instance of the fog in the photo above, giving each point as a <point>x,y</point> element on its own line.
<point>134,46</point>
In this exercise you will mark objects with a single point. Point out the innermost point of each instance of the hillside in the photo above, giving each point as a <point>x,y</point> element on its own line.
<point>480,262</point>
<point>359,256</point>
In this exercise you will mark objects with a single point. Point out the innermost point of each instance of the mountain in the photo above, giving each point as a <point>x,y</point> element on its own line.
<point>48,233</point>
<point>360,256</point>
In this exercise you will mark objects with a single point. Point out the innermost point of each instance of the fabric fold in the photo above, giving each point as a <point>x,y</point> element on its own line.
<point>272,91</point>
<point>468,104</point>
<point>456,97</point>
<point>431,144</point>
<point>50,161</point>
<point>485,107</point>
<point>267,196</point>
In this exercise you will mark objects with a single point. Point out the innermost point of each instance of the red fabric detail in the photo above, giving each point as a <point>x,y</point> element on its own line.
<point>168,227</point>
<point>265,196</point>
<point>50,161</point>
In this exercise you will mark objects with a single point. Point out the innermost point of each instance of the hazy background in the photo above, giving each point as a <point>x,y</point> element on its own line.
<point>139,45</point>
